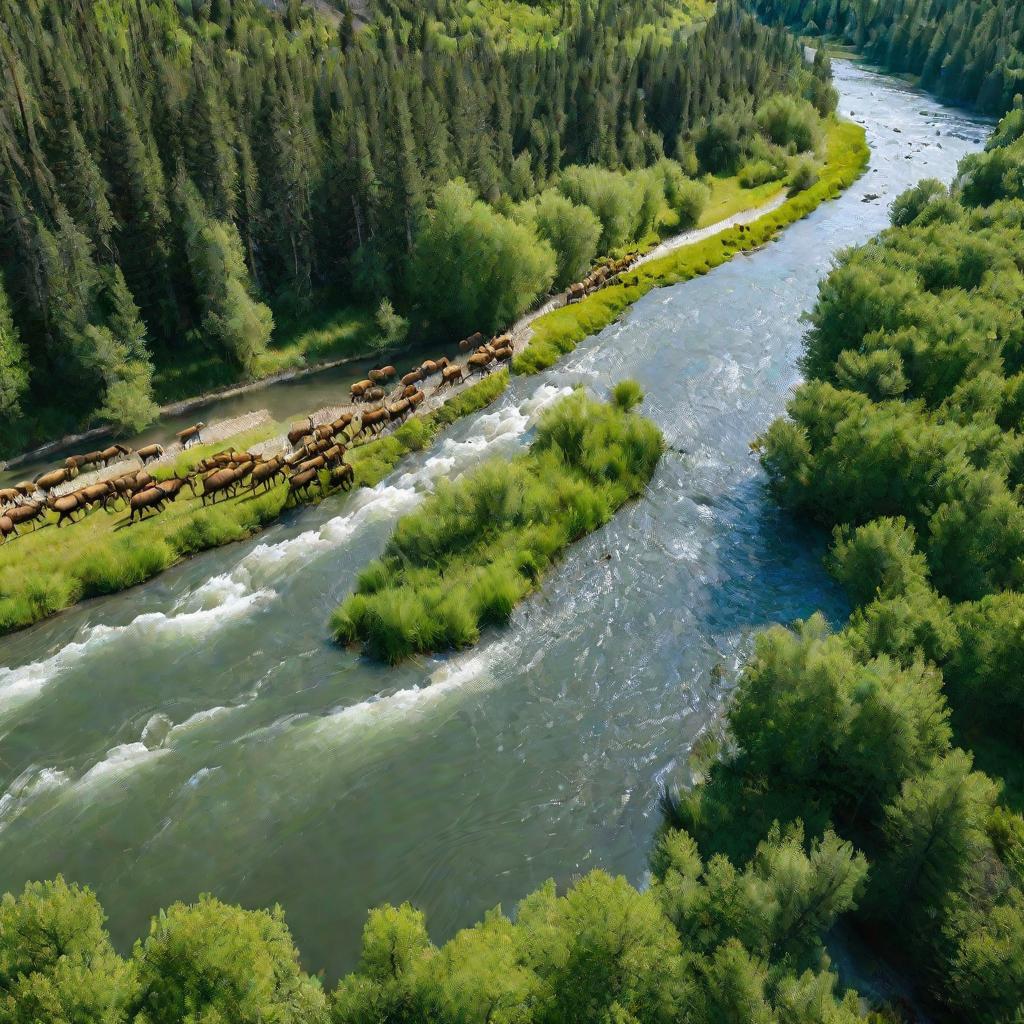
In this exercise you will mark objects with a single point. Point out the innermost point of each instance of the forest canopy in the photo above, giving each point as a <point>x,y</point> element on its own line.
<point>178,176</point>
<point>905,439</point>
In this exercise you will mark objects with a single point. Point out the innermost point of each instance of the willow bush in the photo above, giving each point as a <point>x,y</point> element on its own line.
<point>479,545</point>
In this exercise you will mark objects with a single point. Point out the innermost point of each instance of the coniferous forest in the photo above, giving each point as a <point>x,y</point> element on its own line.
<point>176,170</point>
<point>970,53</point>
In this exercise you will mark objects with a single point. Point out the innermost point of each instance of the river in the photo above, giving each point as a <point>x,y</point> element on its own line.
<point>200,733</point>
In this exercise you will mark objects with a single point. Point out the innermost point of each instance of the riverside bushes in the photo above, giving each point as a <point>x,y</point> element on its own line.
<point>477,546</point>
<point>906,440</point>
<point>707,942</point>
<point>559,332</point>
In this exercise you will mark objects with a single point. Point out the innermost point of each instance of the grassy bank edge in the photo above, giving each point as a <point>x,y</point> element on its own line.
<point>113,562</point>
<point>559,332</point>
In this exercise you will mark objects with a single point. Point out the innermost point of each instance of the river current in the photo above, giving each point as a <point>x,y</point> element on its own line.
<point>201,734</point>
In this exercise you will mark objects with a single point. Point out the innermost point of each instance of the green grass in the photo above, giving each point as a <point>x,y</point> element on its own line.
<point>47,570</point>
<point>478,546</point>
<point>729,197</point>
<point>558,333</point>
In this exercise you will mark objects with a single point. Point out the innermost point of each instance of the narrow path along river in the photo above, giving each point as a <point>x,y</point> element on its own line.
<point>201,734</point>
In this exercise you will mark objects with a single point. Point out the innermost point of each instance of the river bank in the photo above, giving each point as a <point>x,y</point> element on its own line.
<point>94,558</point>
<point>345,330</point>
<point>557,333</point>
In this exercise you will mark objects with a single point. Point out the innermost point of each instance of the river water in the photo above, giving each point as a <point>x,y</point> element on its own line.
<point>200,733</point>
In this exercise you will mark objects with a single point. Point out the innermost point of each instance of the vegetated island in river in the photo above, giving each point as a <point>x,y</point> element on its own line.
<point>46,572</point>
<point>478,546</point>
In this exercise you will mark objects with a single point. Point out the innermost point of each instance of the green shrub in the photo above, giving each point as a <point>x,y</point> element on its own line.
<point>803,177</point>
<point>759,172</point>
<point>477,546</point>
<point>627,394</point>
<point>790,121</point>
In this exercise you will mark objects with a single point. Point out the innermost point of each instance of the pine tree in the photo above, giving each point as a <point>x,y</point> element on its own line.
<point>14,376</point>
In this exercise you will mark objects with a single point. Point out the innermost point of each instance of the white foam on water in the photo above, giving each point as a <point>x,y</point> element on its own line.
<point>234,594</point>
<point>30,784</point>
<point>200,718</point>
<point>463,674</point>
<point>198,777</point>
<point>393,498</point>
<point>219,600</point>
<point>120,761</point>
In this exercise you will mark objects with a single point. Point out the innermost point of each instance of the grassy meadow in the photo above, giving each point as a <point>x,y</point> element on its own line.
<point>479,545</point>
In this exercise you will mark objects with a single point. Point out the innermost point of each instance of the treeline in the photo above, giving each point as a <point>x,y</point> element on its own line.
<point>172,169</point>
<point>965,52</point>
<point>906,439</point>
<point>708,942</point>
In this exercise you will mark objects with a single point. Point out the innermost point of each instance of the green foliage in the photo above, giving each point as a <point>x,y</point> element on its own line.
<point>803,177</point>
<point>985,673</point>
<point>572,232</point>
<point>705,943</point>
<point>13,370</point>
<point>878,559</point>
<point>627,394</point>
<point>790,121</point>
<point>778,907</point>
<point>934,833</point>
<point>394,329</point>
<point>904,438</point>
<point>760,172</point>
<point>611,198</point>
<point>686,197</point>
<point>913,203</point>
<point>475,269</point>
<point>241,324</point>
<point>211,961</point>
<point>476,547</point>
<point>720,145</point>
<point>56,961</point>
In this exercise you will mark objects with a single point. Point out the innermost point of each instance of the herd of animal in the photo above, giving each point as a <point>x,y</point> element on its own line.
<point>600,277</point>
<point>223,475</point>
<point>486,355</point>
